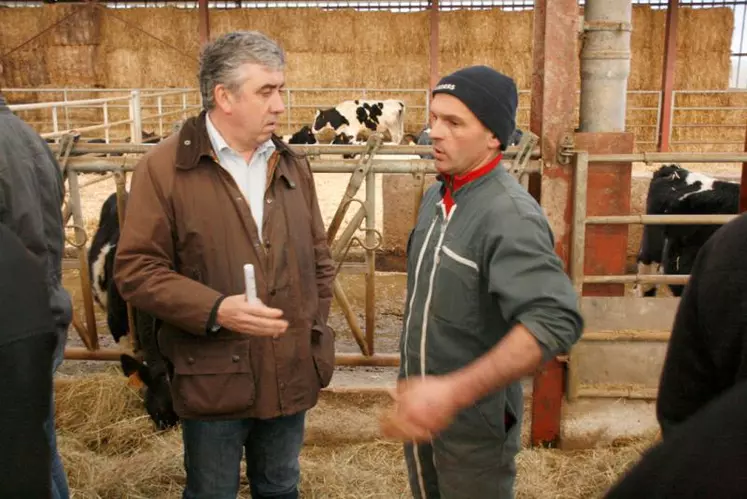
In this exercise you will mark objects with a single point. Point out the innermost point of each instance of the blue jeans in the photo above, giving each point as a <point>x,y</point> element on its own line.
<point>60,488</point>
<point>213,452</point>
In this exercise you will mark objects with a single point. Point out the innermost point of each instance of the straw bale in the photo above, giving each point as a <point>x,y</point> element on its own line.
<point>18,25</point>
<point>83,28</point>
<point>75,63</point>
<point>24,67</point>
<point>703,48</point>
<point>131,58</point>
<point>339,48</point>
<point>469,37</point>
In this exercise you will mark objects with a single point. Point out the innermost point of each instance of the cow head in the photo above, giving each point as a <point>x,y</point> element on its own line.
<point>155,390</point>
<point>668,184</point>
<point>328,117</point>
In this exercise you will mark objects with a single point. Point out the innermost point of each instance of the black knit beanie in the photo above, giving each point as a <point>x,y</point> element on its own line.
<point>490,95</point>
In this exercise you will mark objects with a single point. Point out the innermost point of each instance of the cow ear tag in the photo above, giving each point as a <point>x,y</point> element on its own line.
<point>135,381</point>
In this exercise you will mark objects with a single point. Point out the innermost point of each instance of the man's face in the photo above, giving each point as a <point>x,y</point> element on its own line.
<point>255,108</point>
<point>460,141</point>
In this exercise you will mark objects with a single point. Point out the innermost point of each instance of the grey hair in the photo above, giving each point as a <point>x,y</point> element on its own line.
<point>222,59</point>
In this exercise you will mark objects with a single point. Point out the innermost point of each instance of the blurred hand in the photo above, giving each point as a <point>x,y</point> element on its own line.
<point>423,407</point>
<point>256,319</point>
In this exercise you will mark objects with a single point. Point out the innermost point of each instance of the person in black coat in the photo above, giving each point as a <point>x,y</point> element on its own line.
<point>707,352</point>
<point>704,457</point>
<point>27,345</point>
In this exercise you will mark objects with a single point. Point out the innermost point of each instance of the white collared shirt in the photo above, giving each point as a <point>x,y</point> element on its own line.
<point>251,178</point>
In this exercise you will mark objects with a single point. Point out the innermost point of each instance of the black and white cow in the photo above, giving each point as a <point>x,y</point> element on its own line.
<point>152,374</point>
<point>671,249</point>
<point>351,117</point>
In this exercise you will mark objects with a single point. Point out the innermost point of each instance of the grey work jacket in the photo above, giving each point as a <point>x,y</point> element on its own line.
<point>475,273</point>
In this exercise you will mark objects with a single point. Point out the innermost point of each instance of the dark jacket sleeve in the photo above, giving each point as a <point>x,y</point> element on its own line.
<point>527,277</point>
<point>31,196</point>
<point>144,265</point>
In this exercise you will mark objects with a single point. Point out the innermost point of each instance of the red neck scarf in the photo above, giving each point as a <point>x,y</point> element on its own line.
<point>454,182</point>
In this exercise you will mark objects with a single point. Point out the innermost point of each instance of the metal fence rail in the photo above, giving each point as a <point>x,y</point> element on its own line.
<point>578,247</point>
<point>364,169</point>
<point>643,111</point>
<point>130,105</point>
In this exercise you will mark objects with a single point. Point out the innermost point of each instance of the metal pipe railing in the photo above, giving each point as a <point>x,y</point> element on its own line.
<point>49,105</point>
<point>127,164</point>
<point>104,126</point>
<point>659,219</point>
<point>578,252</point>
<point>669,157</point>
<point>310,150</point>
<point>636,278</point>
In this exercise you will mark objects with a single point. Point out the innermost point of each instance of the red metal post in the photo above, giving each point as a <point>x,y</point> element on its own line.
<point>434,49</point>
<point>204,21</point>
<point>555,70</point>
<point>608,194</point>
<point>667,79</point>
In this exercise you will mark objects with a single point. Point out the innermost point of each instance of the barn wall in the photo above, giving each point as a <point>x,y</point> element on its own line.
<point>340,48</point>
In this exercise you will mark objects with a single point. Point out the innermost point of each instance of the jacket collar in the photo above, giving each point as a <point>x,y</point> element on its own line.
<point>194,144</point>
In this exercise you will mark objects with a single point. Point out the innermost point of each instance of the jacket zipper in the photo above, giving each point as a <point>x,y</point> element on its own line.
<point>414,291</point>
<point>427,304</point>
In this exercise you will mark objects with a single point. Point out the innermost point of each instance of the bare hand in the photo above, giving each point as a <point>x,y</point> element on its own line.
<point>423,407</point>
<point>256,319</point>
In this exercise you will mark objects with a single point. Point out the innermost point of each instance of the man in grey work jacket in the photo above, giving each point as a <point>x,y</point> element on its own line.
<point>488,301</point>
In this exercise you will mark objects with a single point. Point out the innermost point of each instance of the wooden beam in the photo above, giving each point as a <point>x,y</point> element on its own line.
<point>667,79</point>
<point>434,42</point>
<point>204,21</point>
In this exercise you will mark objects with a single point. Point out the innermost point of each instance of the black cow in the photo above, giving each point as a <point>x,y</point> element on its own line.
<point>302,136</point>
<point>153,373</point>
<point>671,249</point>
<point>87,141</point>
<point>156,387</point>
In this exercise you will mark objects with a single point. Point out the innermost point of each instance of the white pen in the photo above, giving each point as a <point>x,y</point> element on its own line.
<point>250,283</point>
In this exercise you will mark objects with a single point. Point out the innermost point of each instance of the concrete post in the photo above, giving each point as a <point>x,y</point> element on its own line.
<point>605,65</point>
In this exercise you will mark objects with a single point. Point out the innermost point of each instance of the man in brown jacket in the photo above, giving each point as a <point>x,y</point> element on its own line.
<point>224,192</point>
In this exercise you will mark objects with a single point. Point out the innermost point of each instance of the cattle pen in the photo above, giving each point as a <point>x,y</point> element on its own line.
<point>611,321</point>
<point>603,96</point>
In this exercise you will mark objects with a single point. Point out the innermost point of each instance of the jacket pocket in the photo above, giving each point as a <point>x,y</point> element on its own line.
<point>323,353</point>
<point>486,419</point>
<point>496,415</point>
<point>213,378</point>
<point>456,292</point>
